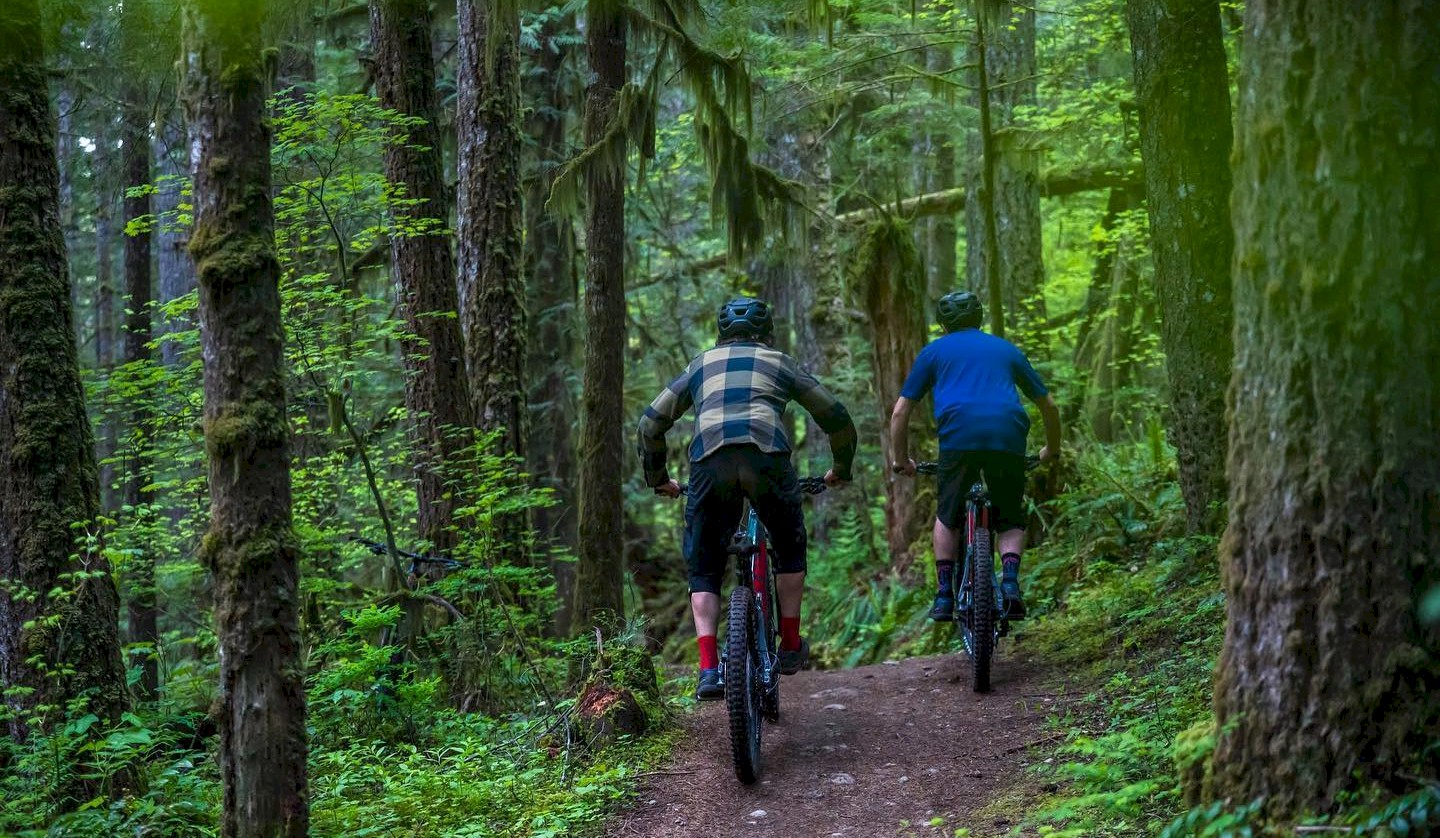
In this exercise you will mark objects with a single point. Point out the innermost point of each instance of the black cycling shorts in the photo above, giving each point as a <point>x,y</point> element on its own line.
<point>1004,478</point>
<point>719,485</point>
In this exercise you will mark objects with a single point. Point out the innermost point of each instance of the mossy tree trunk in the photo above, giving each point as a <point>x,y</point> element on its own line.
<point>600,573</point>
<point>1327,673</point>
<point>550,266</point>
<point>818,313</point>
<point>174,270</point>
<point>106,327</point>
<point>941,263</point>
<point>1007,50</point>
<point>66,646</point>
<point>251,549</point>
<point>437,391</point>
<point>1184,96</point>
<point>492,289</point>
<point>136,496</point>
<point>890,280</point>
<point>982,227</point>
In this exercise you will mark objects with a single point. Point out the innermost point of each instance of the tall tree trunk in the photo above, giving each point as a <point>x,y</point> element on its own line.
<point>941,265</point>
<point>175,270</point>
<point>1011,62</point>
<point>817,311</point>
<point>47,467</point>
<point>106,321</point>
<point>550,265</point>
<point>1184,95</point>
<point>492,291</point>
<point>136,497</point>
<point>600,573</point>
<point>1007,33</point>
<point>251,549</point>
<point>437,392</point>
<point>1093,331</point>
<point>987,256</point>
<point>1327,671</point>
<point>887,273</point>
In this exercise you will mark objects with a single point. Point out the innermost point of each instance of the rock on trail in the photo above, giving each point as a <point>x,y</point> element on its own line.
<point>890,750</point>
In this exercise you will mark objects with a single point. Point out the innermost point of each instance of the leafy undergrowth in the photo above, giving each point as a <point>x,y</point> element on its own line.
<point>484,779</point>
<point>387,757</point>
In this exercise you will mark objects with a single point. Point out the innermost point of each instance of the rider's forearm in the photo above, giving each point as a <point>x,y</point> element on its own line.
<point>842,448</point>
<point>652,453</point>
<point>900,431</point>
<point>899,438</point>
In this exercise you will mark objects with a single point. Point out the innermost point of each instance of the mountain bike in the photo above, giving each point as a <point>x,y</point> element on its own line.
<point>980,605</point>
<point>750,664</point>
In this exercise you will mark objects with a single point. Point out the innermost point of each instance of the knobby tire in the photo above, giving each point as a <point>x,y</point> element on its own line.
<point>741,680</point>
<point>982,611</point>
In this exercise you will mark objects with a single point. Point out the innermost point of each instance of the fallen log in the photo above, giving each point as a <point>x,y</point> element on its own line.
<point>951,202</point>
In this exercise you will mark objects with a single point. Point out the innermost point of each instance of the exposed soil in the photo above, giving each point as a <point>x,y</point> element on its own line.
<point>880,750</point>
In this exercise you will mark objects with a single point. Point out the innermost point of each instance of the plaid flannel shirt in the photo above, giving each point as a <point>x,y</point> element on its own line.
<point>739,391</point>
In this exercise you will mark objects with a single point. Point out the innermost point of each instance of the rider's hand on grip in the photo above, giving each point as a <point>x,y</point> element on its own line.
<point>669,489</point>
<point>834,480</point>
<point>906,468</point>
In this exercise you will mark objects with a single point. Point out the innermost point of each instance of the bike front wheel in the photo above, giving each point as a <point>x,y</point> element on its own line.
<point>744,699</point>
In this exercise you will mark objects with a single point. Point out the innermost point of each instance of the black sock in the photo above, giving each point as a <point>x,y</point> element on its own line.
<point>945,574</point>
<point>1011,564</point>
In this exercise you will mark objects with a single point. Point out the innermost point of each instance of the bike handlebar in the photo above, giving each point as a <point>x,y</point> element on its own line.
<point>1032,462</point>
<point>415,558</point>
<point>808,485</point>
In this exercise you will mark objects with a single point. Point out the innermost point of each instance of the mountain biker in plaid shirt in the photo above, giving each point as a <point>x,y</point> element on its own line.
<point>739,390</point>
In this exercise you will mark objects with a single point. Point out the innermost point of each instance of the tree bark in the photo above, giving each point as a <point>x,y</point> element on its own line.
<point>988,256</point>
<point>106,321</point>
<point>251,549</point>
<point>492,291</point>
<point>47,467</point>
<point>437,392</point>
<point>175,270</point>
<point>1008,34</point>
<point>550,265</point>
<point>600,573</point>
<point>1327,671</point>
<point>1184,96</point>
<point>136,497</point>
<point>941,265</point>
<point>888,274</point>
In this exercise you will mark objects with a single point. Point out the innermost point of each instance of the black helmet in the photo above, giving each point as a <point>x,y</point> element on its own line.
<point>960,310</point>
<point>745,317</point>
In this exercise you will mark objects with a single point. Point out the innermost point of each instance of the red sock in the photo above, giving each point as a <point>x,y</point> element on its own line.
<point>789,633</point>
<point>709,657</point>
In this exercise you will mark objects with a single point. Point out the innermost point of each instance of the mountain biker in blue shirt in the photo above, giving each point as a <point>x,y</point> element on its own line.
<point>739,390</point>
<point>976,379</point>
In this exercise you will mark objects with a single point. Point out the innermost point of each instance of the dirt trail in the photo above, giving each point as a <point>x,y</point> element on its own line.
<point>875,751</point>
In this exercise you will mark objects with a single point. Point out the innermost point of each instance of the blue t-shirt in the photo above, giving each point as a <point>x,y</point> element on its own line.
<point>974,377</point>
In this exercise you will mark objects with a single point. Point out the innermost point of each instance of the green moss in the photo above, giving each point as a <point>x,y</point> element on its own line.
<point>245,426</point>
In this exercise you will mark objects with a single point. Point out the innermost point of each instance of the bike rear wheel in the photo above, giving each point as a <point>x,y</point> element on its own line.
<point>981,622</point>
<point>744,700</point>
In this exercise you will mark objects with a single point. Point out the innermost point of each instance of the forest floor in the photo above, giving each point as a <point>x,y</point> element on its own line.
<point>896,749</point>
